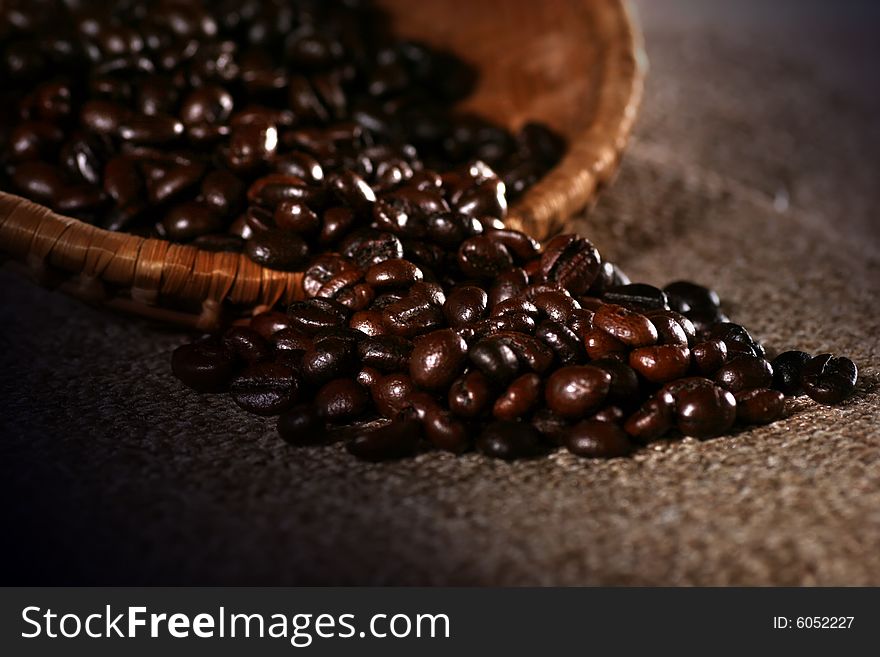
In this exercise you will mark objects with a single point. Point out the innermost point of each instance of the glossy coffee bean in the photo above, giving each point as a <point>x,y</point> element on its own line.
<point>496,359</point>
<point>709,356</point>
<point>444,431</point>
<point>788,368</point>
<point>190,219</point>
<point>370,247</point>
<point>316,314</point>
<point>301,425</point>
<point>638,297</point>
<point>520,398</point>
<point>631,328</point>
<point>393,273</point>
<point>437,359</point>
<point>565,344</point>
<point>464,305</point>
<point>341,400</point>
<point>624,387</point>
<point>391,393</point>
<point>482,257</point>
<point>267,323</point>
<point>661,363</point>
<point>575,390</point>
<point>555,305</point>
<point>411,316</point>
<point>745,373</point>
<point>507,285</point>
<point>685,296</point>
<point>470,394</point>
<point>595,439</point>
<point>669,331</point>
<point>278,249</point>
<point>398,439</point>
<point>205,366</point>
<point>265,388</point>
<point>368,322</point>
<point>600,344</point>
<point>734,334</point>
<point>653,420</point>
<point>705,412</point>
<point>328,359</point>
<point>759,406</point>
<point>509,440</point>
<point>386,353</point>
<point>289,339</point>
<point>614,414</point>
<point>572,262</point>
<point>828,379</point>
<point>247,344</point>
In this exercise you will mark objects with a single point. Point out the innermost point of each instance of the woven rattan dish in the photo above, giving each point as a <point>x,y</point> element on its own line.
<point>575,65</point>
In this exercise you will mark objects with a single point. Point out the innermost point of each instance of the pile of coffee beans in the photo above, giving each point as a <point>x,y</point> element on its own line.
<point>272,127</point>
<point>496,345</point>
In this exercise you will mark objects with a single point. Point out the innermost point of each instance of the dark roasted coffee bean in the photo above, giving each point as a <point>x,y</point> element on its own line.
<point>269,322</point>
<point>595,439</point>
<point>685,297</point>
<point>278,249</point>
<point>669,331</point>
<point>745,373</point>
<point>341,400</point>
<point>733,333</point>
<point>391,393</point>
<point>600,344</point>
<point>482,257</point>
<point>272,190</point>
<point>301,425</point>
<point>189,220</point>
<point>519,305</point>
<point>368,377</point>
<point>653,420</point>
<point>624,389</point>
<point>788,368</point>
<point>520,245</point>
<point>507,285</point>
<point>368,322</point>
<point>369,247</point>
<point>464,305</point>
<point>469,395</point>
<point>496,359</point>
<point>509,440</point>
<point>637,297</point>
<point>686,325</point>
<point>396,440</point>
<point>630,328</point>
<point>705,412</point>
<point>437,359</point>
<point>412,316</point>
<point>291,338</point>
<point>531,352</point>
<point>520,398</point>
<point>759,406</point>
<point>297,217</point>
<point>265,388</point>
<point>247,344</point>
<point>38,180</point>
<point>209,104</point>
<point>828,379</point>
<point>336,222</point>
<point>445,431</point>
<point>556,305</point>
<point>102,116</point>
<point>519,322</point>
<point>250,145</point>
<point>709,356</point>
<point>661,363</point>
<point>565,344</point>
<point>613,414</point>
<point>299,164</point>
<point>315,314</point>
<point>150,129</point>
<point>581,322</point>
<point>328,359</point>
<point>387,353</point>
<point>205,366</point>
<point>393,273</point>
<point>175,182</point>
<point>551,426</point>
<point>577,389</point>
<point>571,262</point>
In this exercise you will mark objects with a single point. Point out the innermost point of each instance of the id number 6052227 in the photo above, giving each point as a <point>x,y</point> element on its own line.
<point>813,622</point>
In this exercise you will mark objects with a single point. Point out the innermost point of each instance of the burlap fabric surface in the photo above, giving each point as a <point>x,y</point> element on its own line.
<point>751,169</point>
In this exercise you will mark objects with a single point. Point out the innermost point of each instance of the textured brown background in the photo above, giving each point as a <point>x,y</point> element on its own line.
<point>753,168</point>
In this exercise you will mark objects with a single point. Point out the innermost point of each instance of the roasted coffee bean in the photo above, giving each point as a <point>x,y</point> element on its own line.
<point>38,180</point>
<point>637,297</point>
<point>520,398</point>
<point>705,412</point>
<point>209,104</point>
<point>336,222</point>
<point>291,338</point>
<point>595,439</point>
<point>482,257</point>
<point>190,219</point>
<point>507,285</point>
<point>709,356</point>
<point>624,387</point>
<point>669,331</point>
<point>368,377</point>
<point>661,363</point>
<point>368,322</point>
<point>745,373</point>
<point>531,352</point>
<point>297,217</point>
<point>519,305</point>
<point>571,262</point>
<point>509,440</point>
<point>495,359</point>
<point>278,249</point>
<point>470,394</point>
<point>577,389</point>
<point>520,245</point>
<point>828,379</point>
<point>519,322</point>
<point>341,400</point>
<point>600,344</point>
<point>176,181</point>
<point>265,388</point>
<point>630,328</point>
<point>759,406</point>
<point>315,314</point>
<point>393,273</point>
<point>205,366</point>
<point>391,393</point>
<point>328,359</point>
<point>464,305</point>
<point>301,425</point>
<point>446,432</point>
<point>411,316</point>
<point>613,414</point>
<point>250,145</point>
<point>369,247</point>
<point>398,439</point>
<point>387,353</point>
<point>653,420</point>
<point>267,323</point>
<point>685,296</point>
<point>149,129</point>
<point>734,333</point>
<point>555,305</point>
<point>437,359</point>
<point>103,117</point>
<point>788,368</point>
<point>581,322</point>
<point>565,344</point>
<point>247,344</point>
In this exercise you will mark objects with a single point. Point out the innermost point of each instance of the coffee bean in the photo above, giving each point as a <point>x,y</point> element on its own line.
<point>412,316</point>
<point>465,305</point>
<point>398,439</point>
<point>328,359</point>
<point>570,261</point>
<point>624,381</point>
<point>437,359</point>
<point>661,363</point>
<point>637,297</point>
<point>760,406</point>
<point>189,220</point>
<point>705,412</point>
<point>265,388</point>
<point>788,368</point>
<point>278,249</point>
<point>446,432</point>
<point>482,257</point>
<point>507,285</point>
<point>745,373</point>
<point>393,273</point>
<point>315,314</point>
<point>247,344</point>
<point>509,440</point>
<point>290,339</point>
<point>828,379</point>
<point>595,439</point>
<point>391,393</point>
<point>653,420</point>
<point>669,330</point>
<point>368,322</point>
<point>574,390</point>
<point>709,356</point>
<point>600,344</point>
<point>630,328</point>
<point>367,248</point>
<point>470,394</point>
<point>495,359</point>
<point>614,414</point>
<point>205,366</point>
<point>341,400</point>
<point>521,397</point>
<point>301,425</point>
<point>565,344</point>
<point>685,296</point>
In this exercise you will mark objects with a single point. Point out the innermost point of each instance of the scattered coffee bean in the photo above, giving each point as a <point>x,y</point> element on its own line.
<point>828,379</point>
<point>788,369</point>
